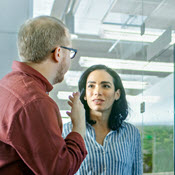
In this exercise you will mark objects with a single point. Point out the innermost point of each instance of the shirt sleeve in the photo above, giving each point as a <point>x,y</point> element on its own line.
<point>36,137</point>
<point>137,168</point>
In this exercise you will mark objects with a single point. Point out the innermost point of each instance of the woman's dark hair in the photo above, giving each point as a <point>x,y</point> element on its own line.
<point>119,110</point>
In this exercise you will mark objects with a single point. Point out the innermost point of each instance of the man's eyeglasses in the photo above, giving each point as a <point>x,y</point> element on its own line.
<point>72,51</point>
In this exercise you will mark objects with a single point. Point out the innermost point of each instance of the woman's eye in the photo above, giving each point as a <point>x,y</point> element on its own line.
<point>90,86</point>
<point>106,86</point>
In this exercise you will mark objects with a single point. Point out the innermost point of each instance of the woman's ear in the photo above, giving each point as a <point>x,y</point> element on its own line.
<point>85,98</point>
<point>117,94</point>
<point>56,54</point>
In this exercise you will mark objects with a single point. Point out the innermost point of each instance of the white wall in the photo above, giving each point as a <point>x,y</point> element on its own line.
<point>12,15</point>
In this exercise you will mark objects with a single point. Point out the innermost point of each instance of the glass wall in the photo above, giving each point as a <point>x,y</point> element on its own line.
<point>156,113</point>
<point>135,38</point>
<point>157,127</point>
<point>158,122</point>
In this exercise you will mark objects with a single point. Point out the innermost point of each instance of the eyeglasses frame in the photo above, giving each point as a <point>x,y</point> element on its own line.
<point>68,48</point>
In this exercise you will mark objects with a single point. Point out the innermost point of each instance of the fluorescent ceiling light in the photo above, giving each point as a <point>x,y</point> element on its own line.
<point>134,84</point>
<point>66,120</point>
<point>63,95</point>
<point>73,81</point>
<point>133,30</point>
<point>115,32</point>
<point>140,99</point>
<point>63,113</point>
<point>128,64</point>
<point>124,20</point>
<point>128,36</point>
<point>130,77</point>
<point>65,117</point>
<point>73,36</point>
<point>73,78</point>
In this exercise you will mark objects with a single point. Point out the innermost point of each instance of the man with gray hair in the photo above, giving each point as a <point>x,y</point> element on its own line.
<point>30,121</point>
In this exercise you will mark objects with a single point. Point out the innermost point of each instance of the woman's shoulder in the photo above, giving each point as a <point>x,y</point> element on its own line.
<point>130,127</point>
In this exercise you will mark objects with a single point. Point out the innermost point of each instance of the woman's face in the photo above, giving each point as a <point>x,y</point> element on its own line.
<point>100,91</point>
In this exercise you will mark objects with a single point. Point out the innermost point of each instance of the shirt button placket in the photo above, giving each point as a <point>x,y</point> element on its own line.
<point>104,155</point>
<point>104,168</point>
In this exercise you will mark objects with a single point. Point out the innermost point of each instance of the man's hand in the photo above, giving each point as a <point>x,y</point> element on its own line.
<point>77,114</point>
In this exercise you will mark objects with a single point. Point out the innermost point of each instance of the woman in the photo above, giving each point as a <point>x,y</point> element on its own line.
<point>113,145</point>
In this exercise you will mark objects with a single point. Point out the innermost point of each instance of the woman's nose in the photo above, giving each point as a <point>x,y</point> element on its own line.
<point>97,91</point>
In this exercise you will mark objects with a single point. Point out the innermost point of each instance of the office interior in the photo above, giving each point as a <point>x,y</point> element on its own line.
<point>134,37</point>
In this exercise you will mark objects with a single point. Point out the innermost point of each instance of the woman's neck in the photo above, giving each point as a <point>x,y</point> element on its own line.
<point>101,125</point>
<point>101,118</point>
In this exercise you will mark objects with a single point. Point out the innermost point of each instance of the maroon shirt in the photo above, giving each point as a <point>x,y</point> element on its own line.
<point>31,128</point>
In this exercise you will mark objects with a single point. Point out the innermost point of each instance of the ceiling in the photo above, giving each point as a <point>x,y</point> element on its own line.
<point>106,32</point>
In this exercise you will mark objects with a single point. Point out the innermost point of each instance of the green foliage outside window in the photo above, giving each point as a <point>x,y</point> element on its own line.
<point>157,146</point>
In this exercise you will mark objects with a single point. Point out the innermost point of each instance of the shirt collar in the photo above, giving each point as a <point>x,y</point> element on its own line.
<point>123,125</point>
<point>22,67</point>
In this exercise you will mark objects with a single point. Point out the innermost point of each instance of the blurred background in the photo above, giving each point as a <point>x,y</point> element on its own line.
<point>134,37</point>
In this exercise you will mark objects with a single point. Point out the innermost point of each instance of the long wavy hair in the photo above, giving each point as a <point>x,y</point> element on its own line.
<point>119,110</point>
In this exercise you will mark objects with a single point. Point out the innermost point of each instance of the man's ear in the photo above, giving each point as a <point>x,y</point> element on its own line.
<point>117,94</point>
<point>56,54</point>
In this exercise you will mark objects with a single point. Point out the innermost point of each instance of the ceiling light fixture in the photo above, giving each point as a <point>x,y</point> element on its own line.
<point>127,64</point>
<point>72,78</point>
<point>134,84</point>
<point>113,32</point>
<point>74,36</point>
<point>139,99</point>
<point>63,95</point>
<point>109,31</point>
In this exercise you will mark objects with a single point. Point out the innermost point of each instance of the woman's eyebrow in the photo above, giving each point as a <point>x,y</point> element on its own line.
<point>106,82</point>
<point>91,82</point>
<point>103,82</point>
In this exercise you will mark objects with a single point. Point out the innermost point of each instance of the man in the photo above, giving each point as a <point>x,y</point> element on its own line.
<point>30,121</point>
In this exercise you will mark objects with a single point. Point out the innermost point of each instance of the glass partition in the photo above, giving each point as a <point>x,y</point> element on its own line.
<point>155,111</point>
<point>158,122</point>
<point>136,39</point>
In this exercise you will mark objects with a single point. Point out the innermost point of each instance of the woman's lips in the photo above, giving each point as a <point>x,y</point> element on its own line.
<point>98,101</point>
